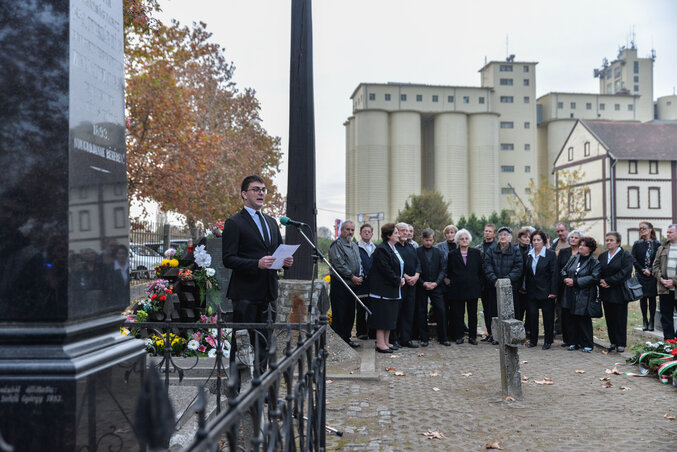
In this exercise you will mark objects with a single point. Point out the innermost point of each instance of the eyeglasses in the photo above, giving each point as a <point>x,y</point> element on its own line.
<point>263,190</point>
<point>641,228</point>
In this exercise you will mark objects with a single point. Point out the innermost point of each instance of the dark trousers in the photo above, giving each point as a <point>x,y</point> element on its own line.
<point>405,318</point>
<point>548,308</point>
<point>342,310</point>
<point>489,307</point>
<point>522,314</point>
<point>667,301</point>
<point>559,318</point>
<point>566,324</point>
<point>361,319</point>
<point>616,315</point>
<point>458,311</point>
<point>581,330</point>
<point>648,304</point>
<point>437,304</point>
<point>254,311</point>
<point>449,317</point>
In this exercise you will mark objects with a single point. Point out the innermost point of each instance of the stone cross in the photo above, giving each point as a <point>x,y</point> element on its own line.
<point>510,333</point>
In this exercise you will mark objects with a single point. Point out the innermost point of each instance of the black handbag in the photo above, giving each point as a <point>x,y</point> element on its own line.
<point>595,306</point>
<point>632,289</point>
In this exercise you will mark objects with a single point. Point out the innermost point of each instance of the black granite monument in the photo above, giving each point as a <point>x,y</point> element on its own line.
<point>68,379</point>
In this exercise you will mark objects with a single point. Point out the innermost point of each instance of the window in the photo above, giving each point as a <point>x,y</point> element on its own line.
<point>560,105</point>
<point>466,99</point>
<point>505,68</point>
<point>586,149</point>
<point>506,81</point>
<point>654,198</point>
<point>388,97</point>
<point>527,147</point>
<point>632,166</point>
<point>526,99</point>
<point>633,197</point>
<point>629,107</point>
<point>636,79</point>
<point>118,189</point>
<point>372,96</point>
<point>419,98</point>
<point>481,100</point>
<point>617,71</point>
<point>653,166</point>
<point>587,201</point>
<point>507,125</point>
<point>601,106</point>
<point>635,67</point>
<point>527,169</point>
<point>85,224</point>
<point>506,99</point>
<point>570,153</point>
<point>507,169</point>
<point>403,97</point>
<point>507,147</point>
<point>635,88</point>
<point>526,82</point>
<point>119,218</point>
<point>572,105</point>
<point>525,68</point>
<point>588,105</point>
<point>617,107</point>
<point>527,125</point>
<point>608,88</point>
<point>450,99</point>
<point>506,191</point>
<point>435,98</point>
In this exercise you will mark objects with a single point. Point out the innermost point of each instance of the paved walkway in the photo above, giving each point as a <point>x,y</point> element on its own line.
<point>576,412</point>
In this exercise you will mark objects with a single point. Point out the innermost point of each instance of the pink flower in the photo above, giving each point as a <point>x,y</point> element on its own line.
<point>203,318</point>
<point>202,349</point>
<point>197,336</point>
<point>210,340</point>
<point>212,319</point>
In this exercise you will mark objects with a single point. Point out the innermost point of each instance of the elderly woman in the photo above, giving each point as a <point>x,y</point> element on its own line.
<point>386,278</point>
<point>501,261</point>
<point>573,239</point>
<point>580,277</point>
<point>541,280</point>
<point>523,245</point>
<point>615,269</point>
<point>643,255</point>
<point>464,270</point>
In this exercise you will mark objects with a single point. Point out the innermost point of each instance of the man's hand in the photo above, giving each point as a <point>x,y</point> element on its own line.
<point>569,282</point>
<point>265,262</point>
<point>603,284</point>
<point>646,272</point>
<point>552,296</point>
<point>401,282</point>
<point>288,262</point>
<point>356,280</point>
<point>430,285</point>
<point>412,280</point>
<point>668,283</point>
<point>447,281</point>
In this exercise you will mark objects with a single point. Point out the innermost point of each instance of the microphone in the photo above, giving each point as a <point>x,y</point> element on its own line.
<point>286,221</point>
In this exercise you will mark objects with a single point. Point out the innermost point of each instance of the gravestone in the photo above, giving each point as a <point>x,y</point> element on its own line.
<point>214,248</point>
<point>510,335</point>
<point>68,379</point>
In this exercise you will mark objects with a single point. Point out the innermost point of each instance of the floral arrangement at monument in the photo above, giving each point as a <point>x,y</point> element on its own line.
<point>205,278</point>
<point>204,342</point>
<point>157,292</point>
<point>656,357</point>
<point>215,230</point>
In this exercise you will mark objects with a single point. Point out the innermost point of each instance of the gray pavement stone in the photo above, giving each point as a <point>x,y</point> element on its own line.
<point>576,412</point>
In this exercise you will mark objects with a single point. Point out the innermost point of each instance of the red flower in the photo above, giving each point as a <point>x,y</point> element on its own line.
<point>153,297</point>
<point>163,298</point>
<point>671,341</point>
<point>674,352</point>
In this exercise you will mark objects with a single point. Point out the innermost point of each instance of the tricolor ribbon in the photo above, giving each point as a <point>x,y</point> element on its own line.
<point>644,371</point>
<point>663,368</point>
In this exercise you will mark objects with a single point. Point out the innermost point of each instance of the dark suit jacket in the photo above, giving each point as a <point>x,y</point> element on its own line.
<point>433,271</point>
<point>546,279</point>
<point>615,273</point>
<point>243,246</point>
<point>466,279</point>
<point>384,274</point>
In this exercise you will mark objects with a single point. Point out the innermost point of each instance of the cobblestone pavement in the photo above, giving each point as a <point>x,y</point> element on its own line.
<point>576,412</point>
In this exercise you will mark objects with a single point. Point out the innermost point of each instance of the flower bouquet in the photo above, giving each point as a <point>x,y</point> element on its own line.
<point>658,357</point>
<point>205,278</point>
<point>215,230</point>
<point>204,342</point>
<point>157,294</point>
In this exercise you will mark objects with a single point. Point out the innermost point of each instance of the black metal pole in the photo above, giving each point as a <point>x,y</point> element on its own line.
<point>301,179</point>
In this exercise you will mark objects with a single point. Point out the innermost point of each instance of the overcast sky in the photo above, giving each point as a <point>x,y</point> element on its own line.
<point>432,42</point>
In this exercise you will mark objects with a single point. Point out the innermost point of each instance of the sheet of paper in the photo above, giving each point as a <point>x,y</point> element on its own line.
<point>281,253</point>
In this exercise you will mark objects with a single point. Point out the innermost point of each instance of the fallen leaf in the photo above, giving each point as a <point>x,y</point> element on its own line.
<point>351,372</point>
<point>494,445</point>
<point>395,356</point>
<point>607,384</point>
<point>430,434</point>
<point>547,378</point>
<point>399,374</point>
<point>421,354</point>
<point>330,381</point>
<point>544,381</point>
<point>625,388</point>
<point>604,379</point>
<point>466,374</point>
<point>436,389</point>
<point>509,399</point>
<point>614,371</point>
<point>524,362</point>
<point>525,379</point>
<point>389,369</point>
<point>669,416</point>
<point>580,371</point>
<point>605,352</point>
<point>433,374</point>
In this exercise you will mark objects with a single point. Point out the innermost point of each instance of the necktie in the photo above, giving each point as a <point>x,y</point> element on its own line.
<point>266,239</point>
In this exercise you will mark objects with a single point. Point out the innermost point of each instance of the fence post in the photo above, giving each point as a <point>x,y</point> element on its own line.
<point>165,237</point>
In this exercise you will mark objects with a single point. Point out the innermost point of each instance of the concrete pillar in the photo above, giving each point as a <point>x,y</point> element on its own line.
<point>370,135</point>
<point>483,163</point>
<point>451,161</point>
<point>405,159</point>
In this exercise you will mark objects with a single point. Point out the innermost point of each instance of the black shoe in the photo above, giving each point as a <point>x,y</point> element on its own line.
<point>459,341</point>
<point>620,349</point>
<point>396,346</point>
<point>645,325</point>
<point>494,342</point>
<point>424,343</point>
<point>546,346</point>
<point>410,344</point>
<point>363,337</point>
<point>486,339</point>
<point>611,348</point>
<point>353,344</point>
<point>651,325</point>
<point>446,343</point>
<point>530,345</point>
<point>563,344</point>
<point>387,350</point>
<point>472,341</point>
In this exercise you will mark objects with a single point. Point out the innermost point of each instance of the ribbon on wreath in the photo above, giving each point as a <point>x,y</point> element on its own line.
<point>644,371</point>
<point>663,368</point>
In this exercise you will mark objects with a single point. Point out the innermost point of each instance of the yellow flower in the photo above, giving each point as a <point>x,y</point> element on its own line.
<point>174,262</point>
<point>327,278</point>
<point>164,262</point>
<point>124,331</point>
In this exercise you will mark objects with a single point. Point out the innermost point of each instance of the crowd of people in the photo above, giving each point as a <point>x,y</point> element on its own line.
<point>564,281</point>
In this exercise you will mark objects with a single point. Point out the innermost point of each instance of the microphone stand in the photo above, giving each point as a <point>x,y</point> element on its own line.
<point>331,267</point>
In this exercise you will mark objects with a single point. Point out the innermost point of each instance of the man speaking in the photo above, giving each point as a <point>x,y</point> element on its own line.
<point>249,240</point>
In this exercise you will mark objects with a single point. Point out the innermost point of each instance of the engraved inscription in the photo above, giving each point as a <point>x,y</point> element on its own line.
<point>30,395</point>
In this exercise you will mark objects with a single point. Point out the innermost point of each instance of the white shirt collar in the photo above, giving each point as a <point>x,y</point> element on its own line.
<point>251,211</point>
<point>613,255</point>
<point>532,253</point>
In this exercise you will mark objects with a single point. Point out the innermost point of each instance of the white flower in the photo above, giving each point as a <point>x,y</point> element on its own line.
<point>212,353</point>
<point>209,234</point>
<point>226,353</point>
<point>210,271</point>
<point>193,345</point>
<point>213,332</point>
<point>170,253</point>
<point>201,257</point>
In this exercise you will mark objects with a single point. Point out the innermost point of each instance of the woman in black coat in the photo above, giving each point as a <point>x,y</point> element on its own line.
<point>616,268</point>
<point>465,273</point>
<point>541,278</point>
<point>643,255</point>
<point>580,277</point>
<point>573,239</point>
<point>385,282</point>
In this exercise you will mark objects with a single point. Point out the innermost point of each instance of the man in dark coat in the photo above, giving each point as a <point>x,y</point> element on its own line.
<point>249,240</point>
<point>412,271</point>
<point>433,272</point>
<point>488,243</point>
